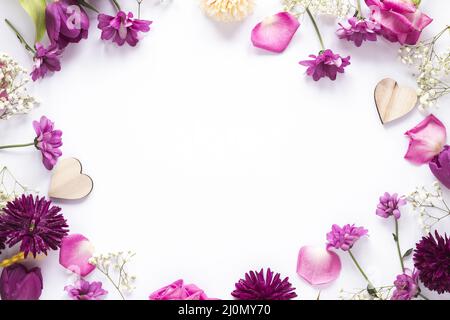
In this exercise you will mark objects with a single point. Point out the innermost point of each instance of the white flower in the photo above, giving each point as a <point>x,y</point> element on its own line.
<point>336,8</point>
<point>228,10</point>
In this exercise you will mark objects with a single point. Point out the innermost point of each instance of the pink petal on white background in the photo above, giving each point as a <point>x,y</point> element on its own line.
<point>317,265</point>
<point>427,139</point>
<point>75,252</point>
<point>275,33</point>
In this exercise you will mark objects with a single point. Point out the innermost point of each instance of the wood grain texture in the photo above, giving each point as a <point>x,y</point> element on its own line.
<point>68,181</point>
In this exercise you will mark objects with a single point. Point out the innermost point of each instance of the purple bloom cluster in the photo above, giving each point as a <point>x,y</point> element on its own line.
<point>45,60</point>
<point>48,141</point>
<point>257,286</point>
<point>389,205</point>
<point>344,238</point>
<point>406,286</point>
<point>326,64</point>
<point>359,30</point>
<point>83,290</point>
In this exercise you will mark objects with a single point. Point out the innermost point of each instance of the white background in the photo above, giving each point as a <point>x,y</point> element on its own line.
<point>211,158</point>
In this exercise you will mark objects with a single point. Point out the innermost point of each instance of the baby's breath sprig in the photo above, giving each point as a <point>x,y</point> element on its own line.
<point>379,293</point>
<point>337,8</point>
<point>10,187</point>
<point>113,266</point>
<point>433,68</point>
<point>430,205</point>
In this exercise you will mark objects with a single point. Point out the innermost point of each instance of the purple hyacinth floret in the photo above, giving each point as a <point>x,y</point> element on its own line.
<point>122,28</point>
<point>326,64</point>
<point>34,223</point>
<point>389,205</point>
<point>260,286</point>
<point>344,238</point>
<point>406,286</point>
<point>432,259</point>
<point>359,30</point>
<point>46,60</point>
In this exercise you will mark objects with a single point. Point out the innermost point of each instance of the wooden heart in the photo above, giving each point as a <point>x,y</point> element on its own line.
<point>393,101</point>
<point>69,182</point>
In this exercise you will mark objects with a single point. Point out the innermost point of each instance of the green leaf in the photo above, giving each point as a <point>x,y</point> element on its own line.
<point>36,10</point>
<point>407,253</point>
<point>372,291</point>
<point>395,237</point>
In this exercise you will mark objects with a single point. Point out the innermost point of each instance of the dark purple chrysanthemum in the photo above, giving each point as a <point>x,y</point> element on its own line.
<point>257,286</point>
<point>432,259</point>
<point>34,223</point>
<point>45,60</point>
<point>326,64</point>
<point>2,243</point>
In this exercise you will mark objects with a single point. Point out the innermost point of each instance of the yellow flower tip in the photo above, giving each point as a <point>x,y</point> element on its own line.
<point>14,259</point>
<point>228,10</point>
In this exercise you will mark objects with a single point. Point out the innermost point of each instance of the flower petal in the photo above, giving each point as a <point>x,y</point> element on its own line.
<point>275,32</point>
<point>317,265</point>
<point>427,140</point>
<point>76,250</point>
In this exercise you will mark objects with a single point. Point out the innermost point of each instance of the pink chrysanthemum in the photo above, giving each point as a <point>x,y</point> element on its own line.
<point>390,205</point>
<point>358,31</point>
<point>326,64</point>
<point>84,290</point>
<point>48,141</point>
<point>344,238</point>
<point>34,223</point>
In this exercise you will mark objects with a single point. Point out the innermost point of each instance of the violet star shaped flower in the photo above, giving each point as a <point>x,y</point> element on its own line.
<point>326,64</point>
<point>359,30</point>
<point>122,28</point>
<point>45,60</point>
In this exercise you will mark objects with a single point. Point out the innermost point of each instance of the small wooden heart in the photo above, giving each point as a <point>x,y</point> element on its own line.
<point>69,182</point>
<point>393,101</point>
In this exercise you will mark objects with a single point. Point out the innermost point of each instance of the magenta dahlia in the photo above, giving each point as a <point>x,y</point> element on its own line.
<point>257,286</point>
<point>35,223</point>
<point>432,259</point>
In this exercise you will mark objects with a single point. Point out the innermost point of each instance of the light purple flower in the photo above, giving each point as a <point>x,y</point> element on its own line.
<point>326,64</point>
<point>83,290</point>
<point>406,286</point>
<point>344,238</point>
<point>48,141</point>
<point>66,22</point>
<point>359,30</point>
<point>122,28</point>
<point>45,60</point>
<point>389,205</point>
<point>19,283</point>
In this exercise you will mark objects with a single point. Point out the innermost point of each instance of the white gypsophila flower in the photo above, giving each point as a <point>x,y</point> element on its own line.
<point>10,188</point>
<point>14,98</point>
<point>228,10</point>
<point>432,69</point>
<point>336,8</point>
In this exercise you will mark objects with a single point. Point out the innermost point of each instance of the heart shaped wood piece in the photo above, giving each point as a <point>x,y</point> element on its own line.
<point>393,101</point>
<point>69,182</point>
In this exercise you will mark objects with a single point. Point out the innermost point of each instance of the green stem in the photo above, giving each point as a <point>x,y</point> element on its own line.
<point>316,28</point>
<point>139,8</point>
<point>116,4</point>
<point>17,145</point>
<point>423,297</point>
<point>397,241</point>
<point>88,5</point>
<point>20,37</point>
<point>360,269</point>
<point>358,4</point>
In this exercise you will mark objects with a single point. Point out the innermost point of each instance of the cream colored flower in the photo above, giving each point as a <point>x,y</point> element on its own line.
<point>228,10</point>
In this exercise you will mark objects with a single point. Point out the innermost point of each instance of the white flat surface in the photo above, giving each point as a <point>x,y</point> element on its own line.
<point>211,158</point>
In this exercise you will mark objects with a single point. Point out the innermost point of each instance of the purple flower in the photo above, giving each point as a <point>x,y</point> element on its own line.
<point>34,223</point>
<point>66,22</point>
<point>344,238</point>
<point>326,64</point>
<point>440,166</point>
<point>45,60</point>
<point>256,286</point>
<point>47,141</point>
<point>389,205</point>
<point>359,30</point>
<point>83,290</point>
<point>406,286</point>
<point>19,283</point>
<point>122,28</point>
<point>432,259</point>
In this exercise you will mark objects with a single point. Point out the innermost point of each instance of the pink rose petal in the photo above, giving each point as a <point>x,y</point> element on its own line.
<point>275,32</point>
<point>317,265</point>
<point>75,252</point>
<point>427,139</point>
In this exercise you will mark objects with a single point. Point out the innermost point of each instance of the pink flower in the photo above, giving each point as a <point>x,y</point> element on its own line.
<point>122,28</point>
<point>427,140</point>
<point>390,205</point>
<point>344,238</point>
<point>406,286</point>
<point>318,265</point>
<point>179,291</point>
<point>74,255</point>
<point>326,64</point>
<point>275,33</point>
<point>83,290</point>
<point>358,31</point>
<point>45,60</point>
<point>47,141</point>
<point>400,20</point>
